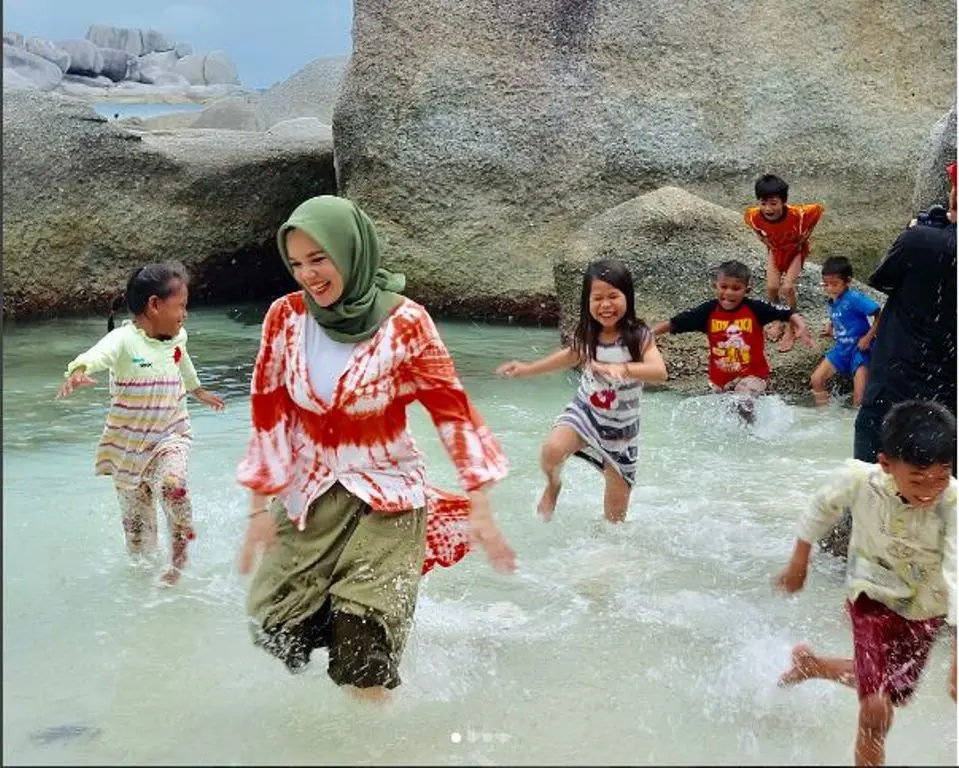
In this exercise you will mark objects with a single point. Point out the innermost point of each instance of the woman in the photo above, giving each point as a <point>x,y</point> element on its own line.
<point>353,523</point>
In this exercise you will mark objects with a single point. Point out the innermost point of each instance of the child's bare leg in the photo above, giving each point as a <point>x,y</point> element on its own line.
<point>171,468</point>
<point>859,380</point>
<point>376,694</point>
<point>139,519</point>
<point>561,443</point>
<point>806,665</point>
<point>819,380</point>
<point>788,291</point>
<point>616,496</point>
<point>774,330</point>
<point>875,720</point>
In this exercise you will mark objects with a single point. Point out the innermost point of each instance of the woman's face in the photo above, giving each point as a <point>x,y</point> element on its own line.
<point>313,269</point>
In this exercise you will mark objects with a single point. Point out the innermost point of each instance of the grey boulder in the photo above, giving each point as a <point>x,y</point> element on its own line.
<point>932,186</point>
<point>85,57</point>
<point>117,64</point>
<point>119,38</point>
<point>32,72</point>
<point>47,50</point>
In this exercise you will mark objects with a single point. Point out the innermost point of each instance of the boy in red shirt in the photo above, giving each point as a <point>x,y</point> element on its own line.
<point>734,325</point>
<point>784,230</point>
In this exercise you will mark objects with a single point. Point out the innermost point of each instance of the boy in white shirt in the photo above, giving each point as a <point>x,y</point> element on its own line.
<point>901,571</point>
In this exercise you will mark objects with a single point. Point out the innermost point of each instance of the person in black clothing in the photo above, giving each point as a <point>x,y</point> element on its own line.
<point>914,356</point>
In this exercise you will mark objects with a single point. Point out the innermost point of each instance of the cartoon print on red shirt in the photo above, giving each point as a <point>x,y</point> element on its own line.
<point>733,352</point>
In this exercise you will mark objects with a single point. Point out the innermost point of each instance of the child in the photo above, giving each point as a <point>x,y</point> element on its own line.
<point>733,324</point>
<point>784,230</point>
<point>901,571</point>
<point>617,353</point>
<point>849,313</point>
<point>146,440</point>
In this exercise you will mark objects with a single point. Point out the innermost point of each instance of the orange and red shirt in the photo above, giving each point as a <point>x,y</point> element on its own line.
<point>736,342</point>
<point>301,445</point>
<point>783,235</point>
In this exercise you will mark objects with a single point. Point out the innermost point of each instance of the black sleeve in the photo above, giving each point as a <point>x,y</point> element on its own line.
<point>692,320</point>
<point>767,313</point>
<point>888,276</point>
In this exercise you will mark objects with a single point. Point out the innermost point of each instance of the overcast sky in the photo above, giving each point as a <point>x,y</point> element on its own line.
<point>268,40</point>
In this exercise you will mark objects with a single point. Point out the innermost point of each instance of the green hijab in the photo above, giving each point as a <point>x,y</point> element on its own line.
<point>348,236</point>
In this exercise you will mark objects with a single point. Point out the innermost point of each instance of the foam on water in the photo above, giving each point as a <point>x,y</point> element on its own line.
<point>659,641</point>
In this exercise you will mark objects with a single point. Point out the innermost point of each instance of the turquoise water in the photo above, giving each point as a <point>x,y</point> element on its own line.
<point>655,642</point>
<point>144,110</point>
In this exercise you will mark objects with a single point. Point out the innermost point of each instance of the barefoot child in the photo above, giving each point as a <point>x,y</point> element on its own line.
<point>146,441</point>
<point>617,353</point>
<point>849,313</point>
<point>901,571</point>
<point>784,230</point>
<point>733,324</point>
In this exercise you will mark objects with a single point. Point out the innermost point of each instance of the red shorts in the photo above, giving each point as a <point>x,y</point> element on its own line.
<point>890,651</point>
<point>784,260</point>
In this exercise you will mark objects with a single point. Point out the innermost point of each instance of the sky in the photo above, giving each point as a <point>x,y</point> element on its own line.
<point>268,40</point>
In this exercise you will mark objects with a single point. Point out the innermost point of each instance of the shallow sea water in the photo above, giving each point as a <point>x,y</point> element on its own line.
<point>657,642</point>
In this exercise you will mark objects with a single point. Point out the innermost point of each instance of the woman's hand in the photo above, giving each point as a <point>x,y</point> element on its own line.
<point>76,379</point>
<point>485,533</point>
<point>511,370</point>
<point>260,534</point>
<point>209,399</point>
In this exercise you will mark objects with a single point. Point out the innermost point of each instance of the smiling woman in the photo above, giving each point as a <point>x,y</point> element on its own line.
<point>353,524</point>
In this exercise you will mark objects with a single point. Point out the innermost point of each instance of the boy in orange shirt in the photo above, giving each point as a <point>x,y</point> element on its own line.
<point>784,230</point>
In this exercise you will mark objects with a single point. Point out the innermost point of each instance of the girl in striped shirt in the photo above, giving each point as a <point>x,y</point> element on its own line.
<point>617,354</point>
<point>146,441</point>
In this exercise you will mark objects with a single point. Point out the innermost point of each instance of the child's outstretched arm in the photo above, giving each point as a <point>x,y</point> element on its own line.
<point>102,356</point>
<point>557,361</point>
<point>192,383</point>
<point>824,512</point>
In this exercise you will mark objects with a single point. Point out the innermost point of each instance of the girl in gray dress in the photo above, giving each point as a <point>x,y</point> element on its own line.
<point>617,354</point>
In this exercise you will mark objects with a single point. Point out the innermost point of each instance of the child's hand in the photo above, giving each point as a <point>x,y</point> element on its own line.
<point>864,343</point>
<point>827,330</point>
<point>76,379</point>
<point>609,371</point>
<point>512,369</point>
<point>209,399</point>
<point>792,578</point>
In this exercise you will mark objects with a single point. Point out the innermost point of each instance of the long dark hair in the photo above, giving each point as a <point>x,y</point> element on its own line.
<point>633,331</point>
<point>151,280</point>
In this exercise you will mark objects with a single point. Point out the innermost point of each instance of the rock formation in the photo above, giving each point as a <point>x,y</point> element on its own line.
<point>480,135</point>
<point>115,62</point>
<point>90,200</point>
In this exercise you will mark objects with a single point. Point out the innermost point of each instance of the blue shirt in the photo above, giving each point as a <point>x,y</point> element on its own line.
<point>850,315</point>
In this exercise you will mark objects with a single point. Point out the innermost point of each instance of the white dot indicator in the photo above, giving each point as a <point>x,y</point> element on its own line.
<point>456,737</point>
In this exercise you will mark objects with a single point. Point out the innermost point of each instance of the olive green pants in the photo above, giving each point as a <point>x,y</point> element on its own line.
<point>348,582</point>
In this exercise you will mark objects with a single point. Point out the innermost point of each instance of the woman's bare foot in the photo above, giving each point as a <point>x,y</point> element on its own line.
<point>805,666</point>
<point>547,502</point>
<point>788,341</point>
<point>774,331</point>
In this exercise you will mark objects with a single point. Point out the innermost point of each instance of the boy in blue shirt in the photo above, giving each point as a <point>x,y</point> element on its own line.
<point>849,313</point>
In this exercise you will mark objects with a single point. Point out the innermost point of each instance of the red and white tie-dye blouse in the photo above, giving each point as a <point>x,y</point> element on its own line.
<point>301,445</point>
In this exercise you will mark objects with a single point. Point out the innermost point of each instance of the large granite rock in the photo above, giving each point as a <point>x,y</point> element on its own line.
<point>95,200</point>
<point>932,186</point>
<point>310,92</point>
<point>215,68</point>
<point>234,113</point>
<point>132,40</point>
<point>47,50</point>
<point>85,57</point>
<point>673,241</point>
<point>23,70</point>
<point>117,64</point>
<point>480,134</point>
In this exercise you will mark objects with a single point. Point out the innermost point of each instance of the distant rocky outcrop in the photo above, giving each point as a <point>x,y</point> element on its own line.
<point>117,62</point>
<point>95,199</point>
<point>673,241</point>
<point>302,106</point>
